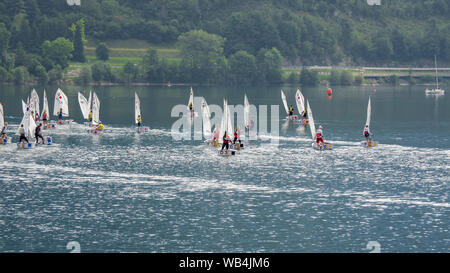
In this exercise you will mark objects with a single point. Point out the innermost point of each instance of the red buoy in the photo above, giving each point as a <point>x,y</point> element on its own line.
<point>329,91</point>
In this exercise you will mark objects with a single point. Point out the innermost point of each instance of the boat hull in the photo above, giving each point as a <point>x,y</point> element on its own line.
<point>322,147</point>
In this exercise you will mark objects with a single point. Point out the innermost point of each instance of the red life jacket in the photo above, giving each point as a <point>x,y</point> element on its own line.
<point>225,140</point>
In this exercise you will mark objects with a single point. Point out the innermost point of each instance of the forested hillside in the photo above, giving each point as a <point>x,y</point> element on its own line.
<point>304,32</point>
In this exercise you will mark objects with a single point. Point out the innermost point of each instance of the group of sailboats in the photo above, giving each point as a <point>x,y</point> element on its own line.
<point>90,108</point>
<point>300,102</point>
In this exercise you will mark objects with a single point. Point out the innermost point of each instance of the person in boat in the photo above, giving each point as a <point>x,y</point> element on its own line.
<point>139,121</point>
<point>100,126</point>
<point>319,135</point>
<point>225,141</point>
<point>291,111</point>
<point>36,118</point>
<point>236,135</point>
<point>91,114</point>
<point>60,114</point>
<point>367,134</point>
<point>44,117</point>
<point>304,114</point>
<point>22,134</point>
<point>4,128</point>
<point>191,108</point>
<point>38,133</point>
<point>215,135</point>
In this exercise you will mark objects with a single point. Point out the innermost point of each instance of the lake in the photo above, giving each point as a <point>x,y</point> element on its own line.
<point>129,192</point>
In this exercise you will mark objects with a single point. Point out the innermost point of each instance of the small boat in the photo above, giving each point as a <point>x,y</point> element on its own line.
<point>47,141</point>
<point>436,91</point>
<point>226,126</point>
<point>191,104</point>
<point>206,115</point>
<point>312,127</point>
<point>371,143</point>
<point>300,100</point>
<point>24,145</point>
<point>288,117</point>
<point>95,131</point>
<point>85,106</point>
<point>61,103</point>
<point>2,122</point>
<point>51,124</point>
<point>137,113</point>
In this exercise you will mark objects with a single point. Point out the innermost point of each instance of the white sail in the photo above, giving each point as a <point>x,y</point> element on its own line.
<point>45,107</point>
<point>206,119</point>
<point>90,101</point>
<point>246,111</point>
<point>300,100</point>
<point>137,107</point>
<point>34,102</point>
<point>191,99</point>
<point>84,105</point>
<point>28,123</point>
<point>312,126</point>
<point>283,98</point>
<point>2,116</point>
<point>95,109</point>
<point>61,102</point>
<point>226,124</point>
<point>24,107</point>
<point>369,111</point>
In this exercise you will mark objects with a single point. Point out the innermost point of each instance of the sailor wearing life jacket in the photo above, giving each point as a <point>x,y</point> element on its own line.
<point>366,132</point>
<point>291,111</point>
<point>225,141</point>
<point>319,135</point>
<point>236,135</point>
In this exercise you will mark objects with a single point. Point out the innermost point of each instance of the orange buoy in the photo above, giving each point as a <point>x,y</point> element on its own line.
<point>329,91</point>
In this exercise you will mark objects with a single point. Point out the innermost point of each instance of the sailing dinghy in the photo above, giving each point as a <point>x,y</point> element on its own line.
<point>29,125</point>
<point>370,143</point>
<point>312,127</point>
<point>300,100</point>
<point>436,91</point>
<point>226,126</point>
<point>45,111</point>
<point>95,116</point>
<point>2,123</point>
<point>137,114</point>
<point>206,115</point>
<point>61,103</point>
<point>85,106</point>
<point>286,108</point>
<point>190,106</point>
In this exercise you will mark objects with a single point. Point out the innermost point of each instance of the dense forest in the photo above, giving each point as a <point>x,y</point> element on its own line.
<point>222,40</point>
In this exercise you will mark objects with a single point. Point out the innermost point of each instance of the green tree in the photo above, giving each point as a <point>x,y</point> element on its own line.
<point>243,68</point>
<point>59,51</point>
<point>201,51</point>
<point>4,43</point>
<point>55,75</point>
<point>102,52</point>
<point>130,72</point>
<point>3,75</point>
<point>269,64</point>
<point>41,74</point>
<point>79,41</point>
<point>20,75</point>
<point>309,77</point>
<point>346,78</point>
<point>335,77</point>
<point>85,76</point>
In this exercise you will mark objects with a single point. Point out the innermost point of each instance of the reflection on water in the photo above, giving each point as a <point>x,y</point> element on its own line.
<point>125,191</point>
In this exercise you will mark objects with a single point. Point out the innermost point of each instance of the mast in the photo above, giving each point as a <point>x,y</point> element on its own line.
<point>437,79</point>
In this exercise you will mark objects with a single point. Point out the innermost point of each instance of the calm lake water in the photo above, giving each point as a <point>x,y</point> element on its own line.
<point>129,192</point>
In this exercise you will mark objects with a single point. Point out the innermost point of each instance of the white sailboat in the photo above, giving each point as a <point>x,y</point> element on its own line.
<point>46,111</point>
<point>61,103</point>
<point>300,100</point>
<point>2,122</point>
<point>191,104</point>
<point>29,127</point>
<point>369,114</point>
<point>34,103</point>
<point>312,127</point>
<point>436,91</point>
<point>226,126</point>
<point>249,121</point>
<point>137,113</point>
<point>286,108</point>
<point>85,105</point>
<point>95,116</point>
<point>206,115</point>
